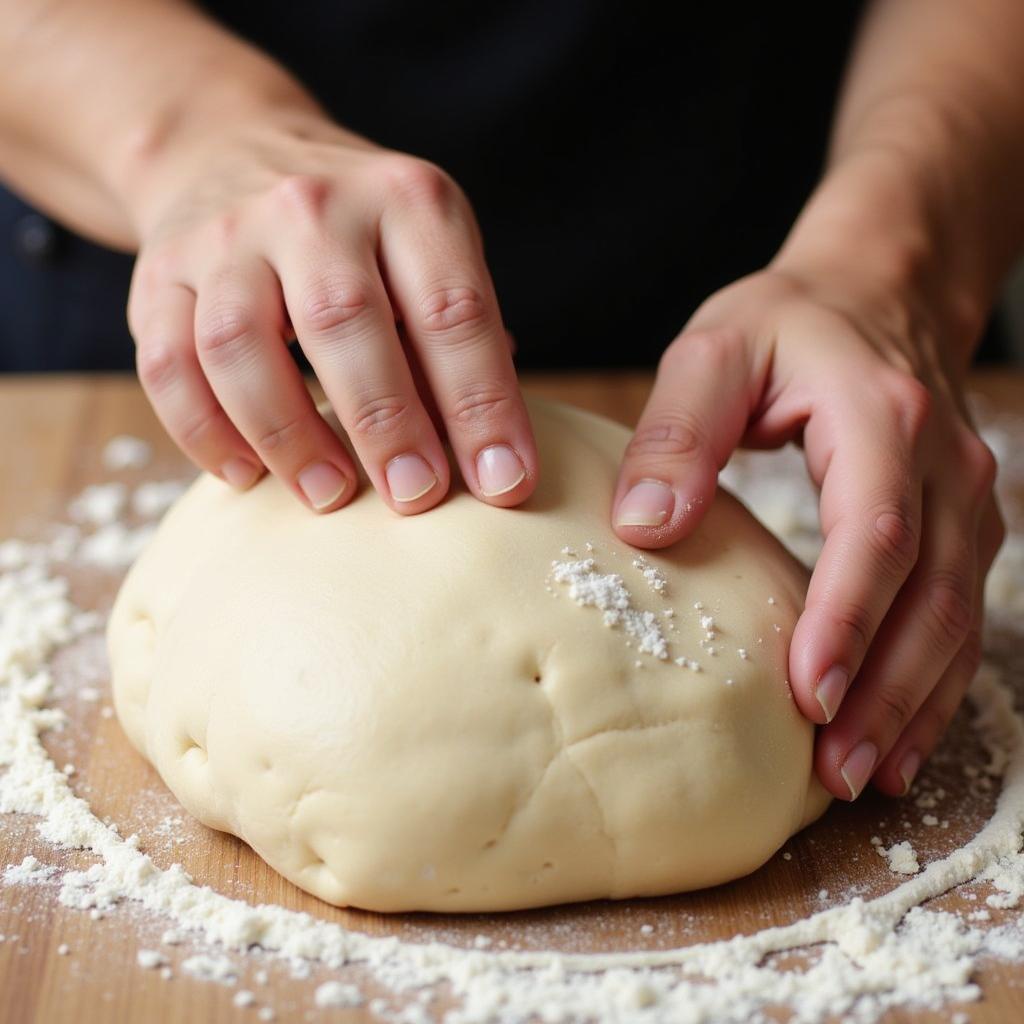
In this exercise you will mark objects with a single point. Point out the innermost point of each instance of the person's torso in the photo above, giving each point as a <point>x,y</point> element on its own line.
<point>624,160</point>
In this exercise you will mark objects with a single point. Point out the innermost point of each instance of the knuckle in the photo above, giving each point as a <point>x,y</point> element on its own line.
<point>222,332</point>
<point>711,347</point>
<point>897,704</point>
<point>330,307</point>
<point>200,429</point>
<point>156,363</point>
<point>447,309</point>
<point>949,602</point>
<point>224,228</point>
<point>157,264</point>
<point>981,466</point>
<point>380,415</point>
<point>855,619</point>
<point>280,435</point>
<point>305,194</point>
<point>935,718</point>
<point>480,403</point>
<point>136,315</point>
<point>913,403</point>
<point>413,180</point>
<point>894,537</point>
<point>997,531</point>
<point>668,436</point>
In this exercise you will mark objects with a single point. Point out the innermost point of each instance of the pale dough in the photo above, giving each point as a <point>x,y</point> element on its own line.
<point>409,713</point>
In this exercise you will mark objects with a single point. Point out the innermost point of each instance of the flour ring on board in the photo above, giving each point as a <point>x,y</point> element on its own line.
<point>475,708</point>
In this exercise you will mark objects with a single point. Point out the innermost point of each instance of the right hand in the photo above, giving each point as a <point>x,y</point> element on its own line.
<point>269,232</point>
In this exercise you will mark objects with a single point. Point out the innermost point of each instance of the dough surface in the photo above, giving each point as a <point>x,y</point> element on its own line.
<point>413,714</point>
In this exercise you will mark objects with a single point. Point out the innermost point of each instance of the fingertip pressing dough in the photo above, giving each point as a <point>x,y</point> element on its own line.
<point>455,711</point>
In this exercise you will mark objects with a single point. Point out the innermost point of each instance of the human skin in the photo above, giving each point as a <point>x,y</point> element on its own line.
<point>256,218</point>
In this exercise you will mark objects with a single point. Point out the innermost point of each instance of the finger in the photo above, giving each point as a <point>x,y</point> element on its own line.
<point>239,338</point>
<point>928,624</point>
<point>871,520</point>
<point>174,382</point>
<point>896,773</point>
<point>437,277</point>
<point>344,322</point>
<point>695,417</point>
<point>419,381</point>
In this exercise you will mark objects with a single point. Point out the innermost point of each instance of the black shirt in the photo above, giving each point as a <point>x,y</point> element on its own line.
<point>624,159</point>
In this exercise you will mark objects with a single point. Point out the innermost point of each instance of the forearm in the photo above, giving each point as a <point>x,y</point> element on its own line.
<point>922,188</point>
<point>94,93</point>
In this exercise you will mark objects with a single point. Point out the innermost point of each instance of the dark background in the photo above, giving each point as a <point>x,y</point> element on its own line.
<point>624,160</point>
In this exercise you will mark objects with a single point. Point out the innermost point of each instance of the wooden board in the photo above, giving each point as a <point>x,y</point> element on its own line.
<point>53,432</point>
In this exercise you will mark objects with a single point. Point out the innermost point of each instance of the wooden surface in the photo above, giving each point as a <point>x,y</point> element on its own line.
<point>53,431</point>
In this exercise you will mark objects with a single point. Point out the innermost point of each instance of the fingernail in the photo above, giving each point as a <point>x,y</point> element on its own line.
<point>240,473</point>
<point>831,689</point>
<point>648,503</point>
<point>498,469</point>
<point>409,477</point>
<point>322,484</point>
<point>909,767</point>
<point>858,766</point>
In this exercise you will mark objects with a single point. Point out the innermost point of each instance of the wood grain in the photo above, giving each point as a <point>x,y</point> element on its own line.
<point>53,432</point>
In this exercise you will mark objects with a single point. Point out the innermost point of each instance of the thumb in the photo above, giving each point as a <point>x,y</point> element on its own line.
<point>695,417</point>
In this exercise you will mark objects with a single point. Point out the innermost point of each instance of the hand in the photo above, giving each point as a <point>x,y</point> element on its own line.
<point>271,231</point>
<point>890,635</point>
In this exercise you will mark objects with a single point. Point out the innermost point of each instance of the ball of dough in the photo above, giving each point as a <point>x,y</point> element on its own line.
<point>425,713</point>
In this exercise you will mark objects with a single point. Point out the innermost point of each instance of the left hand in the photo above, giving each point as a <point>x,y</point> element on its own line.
<point>890,635</point>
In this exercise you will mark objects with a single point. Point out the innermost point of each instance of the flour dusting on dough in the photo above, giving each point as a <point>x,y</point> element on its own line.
<point>609,593</point>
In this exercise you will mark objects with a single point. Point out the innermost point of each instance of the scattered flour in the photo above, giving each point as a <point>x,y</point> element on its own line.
<point>872,955</point>
<point>99,505</point>
<point>115,546</point>
<point>28,872</point>
<point>154,498</point>
<point>652,574</point>
<point>126,452</point>
<point>608,593</point>
<point>149,959</point>
<point>902,858</point>
<point>210,968</point>
<point>335,993</point>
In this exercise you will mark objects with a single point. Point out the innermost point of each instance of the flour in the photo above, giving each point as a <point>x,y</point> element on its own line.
<point>28,872</point>
<point>114,546</point>
<point>148,959</point>
<point>608,593</point>
<point>154,498</point>
<point>334,993</point>
<point>901,857</point>
<point>126,452</point>
<point>654,577</point>
<point>870,955</point>
<point>99,505</point>
<point>210,968</point>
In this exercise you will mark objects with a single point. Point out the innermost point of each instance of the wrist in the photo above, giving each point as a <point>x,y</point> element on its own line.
<point>167,148</point>
<point>880,234</point>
